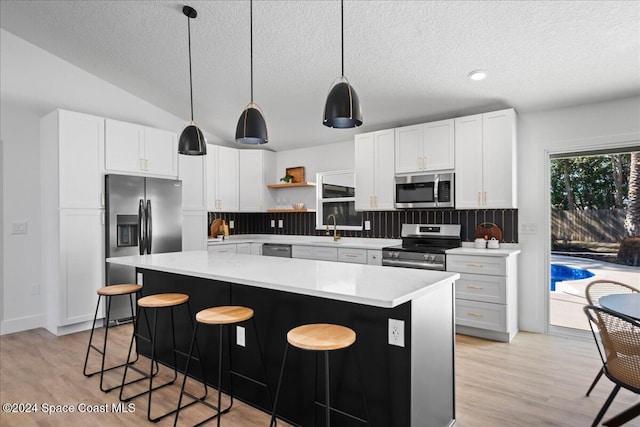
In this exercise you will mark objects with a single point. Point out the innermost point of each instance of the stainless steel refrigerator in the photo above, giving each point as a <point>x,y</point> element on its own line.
<point>143,216</point>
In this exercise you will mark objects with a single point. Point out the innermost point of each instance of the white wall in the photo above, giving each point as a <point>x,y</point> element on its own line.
<point>587,127</point>
<point>324,158</point>
<point>32,83</point>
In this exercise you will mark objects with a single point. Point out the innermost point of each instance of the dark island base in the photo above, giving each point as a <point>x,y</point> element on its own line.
<point>386,369</point>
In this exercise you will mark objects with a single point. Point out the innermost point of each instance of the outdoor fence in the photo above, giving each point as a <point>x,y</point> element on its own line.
<point>598,225</point>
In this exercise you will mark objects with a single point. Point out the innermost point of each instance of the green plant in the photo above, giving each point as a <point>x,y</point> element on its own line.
<point>287,178</point>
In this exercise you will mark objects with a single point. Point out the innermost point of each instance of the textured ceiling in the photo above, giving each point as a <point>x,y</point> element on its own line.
<point>408,60</point>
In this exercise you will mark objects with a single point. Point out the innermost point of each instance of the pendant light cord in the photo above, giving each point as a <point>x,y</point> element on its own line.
<point>342,32</point>
<point>251,43</point>
<point>190,78</point>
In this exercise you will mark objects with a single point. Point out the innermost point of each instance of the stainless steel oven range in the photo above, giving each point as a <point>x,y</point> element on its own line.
<point>423,246</point>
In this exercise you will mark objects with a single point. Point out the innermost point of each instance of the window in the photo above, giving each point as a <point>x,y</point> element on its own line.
<point>335,195</point>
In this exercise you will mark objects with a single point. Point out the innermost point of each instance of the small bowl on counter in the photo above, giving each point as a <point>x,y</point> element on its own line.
<point>297,206</point>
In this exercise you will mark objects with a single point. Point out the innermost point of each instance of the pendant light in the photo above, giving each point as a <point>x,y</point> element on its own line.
<point>251,128</point>
<point>342,109</point>
<point>192,141</point>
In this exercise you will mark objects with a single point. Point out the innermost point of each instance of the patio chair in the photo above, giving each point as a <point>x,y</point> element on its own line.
<point>618,348</point>
<point>598,289</point>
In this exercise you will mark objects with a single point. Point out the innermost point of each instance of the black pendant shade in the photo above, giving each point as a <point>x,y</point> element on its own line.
<point>192,141</point>
<point>252,128</point>
<point>342,109</point>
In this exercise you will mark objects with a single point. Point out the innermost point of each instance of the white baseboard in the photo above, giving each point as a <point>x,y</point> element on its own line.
<point>22,324</point>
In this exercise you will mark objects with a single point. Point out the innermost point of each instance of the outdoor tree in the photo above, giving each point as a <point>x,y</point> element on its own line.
<point>629,251</point>
<point>632,219</point>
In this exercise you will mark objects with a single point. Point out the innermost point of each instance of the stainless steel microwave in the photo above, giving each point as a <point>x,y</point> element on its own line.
<point>434,190</point>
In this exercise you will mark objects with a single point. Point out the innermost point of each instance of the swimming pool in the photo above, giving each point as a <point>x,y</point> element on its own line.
<point>560,272</point>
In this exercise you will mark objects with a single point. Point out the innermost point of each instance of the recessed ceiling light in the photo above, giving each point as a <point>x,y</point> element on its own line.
<point>477,75</point>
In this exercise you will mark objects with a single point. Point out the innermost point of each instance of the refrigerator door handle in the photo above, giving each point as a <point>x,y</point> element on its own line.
<point>149,226</point>
<point>141,230</point>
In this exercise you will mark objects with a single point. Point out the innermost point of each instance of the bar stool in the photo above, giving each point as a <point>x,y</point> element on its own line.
<point>155,303</point>
<point>323,337</point>
<point>223,316</point>
<point>108,292</point>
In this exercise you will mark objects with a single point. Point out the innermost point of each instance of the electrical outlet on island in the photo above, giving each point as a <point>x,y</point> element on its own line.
<point>396,332</point>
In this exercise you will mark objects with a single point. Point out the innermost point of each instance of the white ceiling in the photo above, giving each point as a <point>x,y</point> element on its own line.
<point>408,60</point>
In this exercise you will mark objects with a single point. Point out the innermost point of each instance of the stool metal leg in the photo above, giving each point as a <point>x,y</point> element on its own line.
<point>361,380</point>
<point>103,352</point>
<point>275,402</point>
<point>264,369</point>
<point>326,389</point>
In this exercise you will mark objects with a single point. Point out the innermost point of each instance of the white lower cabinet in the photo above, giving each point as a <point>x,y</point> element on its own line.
<point>324,253</point>
<point>80,264</point>
<point>256,248</point>
<point>356,256</point>
<point>194,230</point>
<point>374,257</point>
<point>223,248</point>
<point>486,295</point>
<point>314,252</point>
<point>243,248</point>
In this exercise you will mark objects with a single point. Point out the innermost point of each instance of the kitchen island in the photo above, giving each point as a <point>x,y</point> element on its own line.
<point>409,385</point>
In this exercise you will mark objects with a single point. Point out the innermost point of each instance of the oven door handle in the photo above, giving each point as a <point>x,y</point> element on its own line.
<point>413,264</point>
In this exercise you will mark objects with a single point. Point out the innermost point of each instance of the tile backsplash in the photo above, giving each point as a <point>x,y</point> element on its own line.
<point>384,224</point>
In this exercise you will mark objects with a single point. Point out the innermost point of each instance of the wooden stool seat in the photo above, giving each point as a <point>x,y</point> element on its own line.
<point>124,289</point>
<point>163,300</point>
<point>321,337</point>
<point>224,315</point>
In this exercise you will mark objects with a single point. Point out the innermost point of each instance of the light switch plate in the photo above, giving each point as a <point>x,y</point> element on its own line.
<point>280,223</point>
<point>273,223</point>
<point>367,225</point>
<point>232,224</point>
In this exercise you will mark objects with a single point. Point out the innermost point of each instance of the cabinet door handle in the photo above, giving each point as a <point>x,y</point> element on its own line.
<point>424,162</point>
<point>474,265</point>
<point>375,201</point>
<point>472,314</point>
<point>146,164</point>
<point>102,200</point>
<point>141,164</point>
<point>485,198</point>
<point>102,218</point>
<point>474,287</point>
<point>479,201</point>
<point>351,256</point>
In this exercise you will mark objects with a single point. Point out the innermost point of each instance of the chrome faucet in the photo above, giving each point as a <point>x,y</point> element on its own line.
<point>336,236</point>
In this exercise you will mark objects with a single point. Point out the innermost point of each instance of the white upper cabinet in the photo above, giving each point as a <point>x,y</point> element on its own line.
<point>194,229</point>
<point>425,147</point>
<point>192,175</point>
<point>161,152</point>
<point>222,178</point>
<point>140,150</point>
<point>73,147</point>
<point>257,169</point>
<point>486,160</point>
<point>374,170</point>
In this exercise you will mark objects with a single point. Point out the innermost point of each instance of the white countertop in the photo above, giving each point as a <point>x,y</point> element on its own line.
<point>502,251</point>
<point>344,242</point>
<point>385,287</point>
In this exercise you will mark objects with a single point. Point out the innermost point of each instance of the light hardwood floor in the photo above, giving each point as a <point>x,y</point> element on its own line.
<point>537,380</point>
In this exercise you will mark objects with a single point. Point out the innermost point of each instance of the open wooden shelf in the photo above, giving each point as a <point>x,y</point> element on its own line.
<point>292,184</point>
<point>289,210</point>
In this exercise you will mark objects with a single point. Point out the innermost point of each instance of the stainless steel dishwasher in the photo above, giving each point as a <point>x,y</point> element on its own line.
<point>276,249</point>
